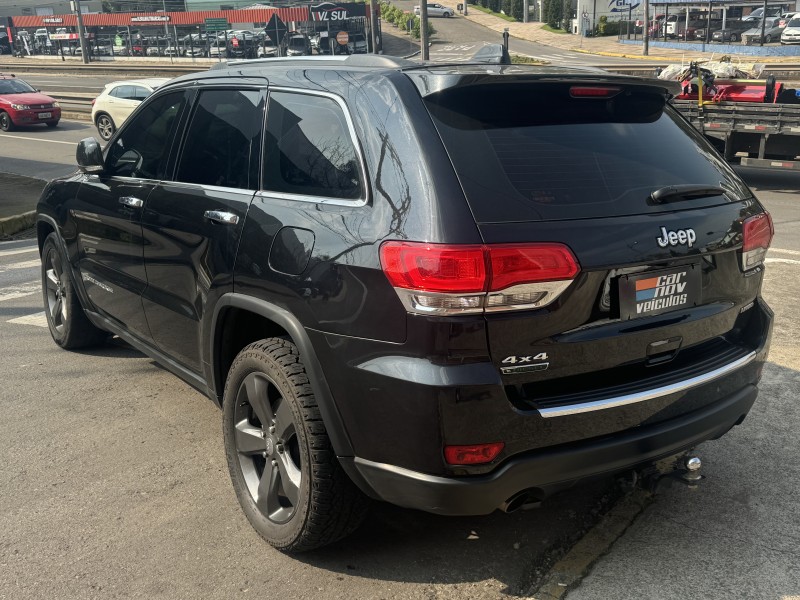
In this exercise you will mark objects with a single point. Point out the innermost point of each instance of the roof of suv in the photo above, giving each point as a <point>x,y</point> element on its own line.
<point>449,75</point>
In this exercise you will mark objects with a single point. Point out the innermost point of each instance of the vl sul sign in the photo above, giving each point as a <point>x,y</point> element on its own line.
<point>328,11</point>
<point>622,5</point>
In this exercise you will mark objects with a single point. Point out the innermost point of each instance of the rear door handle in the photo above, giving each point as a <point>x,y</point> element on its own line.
<point>219,216</point>
<point>131,201</point>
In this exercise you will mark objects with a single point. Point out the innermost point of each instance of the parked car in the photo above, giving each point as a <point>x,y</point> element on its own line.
<point>218,49</point>
<point>786,17</point>
<point>732,32</point>
<point>297,44</point>
<point>242,45</point>
<point>266,47</point>
<point>435,10</point>
<point>118,100</point>
<point>357,44</point>
<point>791,34</point>
<point>5,45</point>
<point>399,333</point>
<point>772,32</point>
<point>22,104</point>
<point>755,15</point>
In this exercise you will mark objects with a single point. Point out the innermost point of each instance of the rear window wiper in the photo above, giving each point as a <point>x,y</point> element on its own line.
<point>686,191</point>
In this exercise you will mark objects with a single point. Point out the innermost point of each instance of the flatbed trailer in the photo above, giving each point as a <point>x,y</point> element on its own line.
<point>753,134</point>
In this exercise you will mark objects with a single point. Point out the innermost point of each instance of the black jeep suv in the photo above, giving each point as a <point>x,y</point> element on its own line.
<point>453,288</point>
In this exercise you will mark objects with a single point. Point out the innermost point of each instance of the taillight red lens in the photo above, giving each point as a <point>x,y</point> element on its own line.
<point>434,267</point>
<point>757,232</point>
<point>530,263</point>
<point>475,454</point>
<point>594,91</point>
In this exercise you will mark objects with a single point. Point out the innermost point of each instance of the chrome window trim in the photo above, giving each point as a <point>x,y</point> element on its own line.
<point>674,388</point>
<point>263,193</point>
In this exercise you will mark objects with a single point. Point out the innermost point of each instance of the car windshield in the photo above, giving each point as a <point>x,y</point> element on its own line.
<point>794,23</point>
<point>14,86</point>
<point>297,42</point>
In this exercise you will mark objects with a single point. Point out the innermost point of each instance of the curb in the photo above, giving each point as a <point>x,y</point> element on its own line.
<point>568,572</point>
<point>11,225</point>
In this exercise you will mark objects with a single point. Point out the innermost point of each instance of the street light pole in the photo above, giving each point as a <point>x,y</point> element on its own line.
<point>76,6</point>
<point>423,29</point>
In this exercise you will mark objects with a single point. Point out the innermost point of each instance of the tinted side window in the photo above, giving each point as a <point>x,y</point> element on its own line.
<point>139,93</point>
<point>121,91</point>
<point>224,139</point>
<point>143,147</point>
<point>309,149</point>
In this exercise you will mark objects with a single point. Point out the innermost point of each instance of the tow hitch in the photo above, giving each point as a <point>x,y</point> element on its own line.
<point>684,468</point>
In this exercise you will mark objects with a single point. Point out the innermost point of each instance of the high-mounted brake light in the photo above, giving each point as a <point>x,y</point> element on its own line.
<point>593,91</point>
<point>449,279</point>
<point>757,232</point>
<point>475,454</point>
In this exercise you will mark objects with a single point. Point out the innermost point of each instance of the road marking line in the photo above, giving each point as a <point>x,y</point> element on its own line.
<point>28,264</point>
<point>786,261</point>
<point>20,291</point>
<point>18,251</point>
<point>19,137</point>
<point>782,251</point>
<point>38,319</point>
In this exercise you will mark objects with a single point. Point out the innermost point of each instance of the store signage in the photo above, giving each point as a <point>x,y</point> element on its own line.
<point>328,11</point>
<point>622,5</point>
<point>150,19</point>
<point>53,20</point>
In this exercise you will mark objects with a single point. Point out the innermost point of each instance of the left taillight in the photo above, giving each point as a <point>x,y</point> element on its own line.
<point>457,279</point>
<point>757,232</point>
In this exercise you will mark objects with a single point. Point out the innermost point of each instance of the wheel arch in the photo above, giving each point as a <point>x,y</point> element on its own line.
<point>239,320</point>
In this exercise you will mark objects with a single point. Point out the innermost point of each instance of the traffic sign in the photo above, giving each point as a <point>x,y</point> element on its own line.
<point>342,37</point>
<point>275,29</point>
<point>215,24</point>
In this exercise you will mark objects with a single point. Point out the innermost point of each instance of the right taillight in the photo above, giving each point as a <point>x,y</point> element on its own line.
<point>452,279</point>
<point>757,232</point>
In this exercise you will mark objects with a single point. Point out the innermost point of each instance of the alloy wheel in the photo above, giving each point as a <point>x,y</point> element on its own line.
<point>268,447</point>
<point>55,290</point>
<point>105,127</point>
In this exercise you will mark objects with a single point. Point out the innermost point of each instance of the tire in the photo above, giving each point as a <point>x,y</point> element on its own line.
<point>6,124</point>
<point>68,324</point>
<point>446,15</point>
<point>52,124</point>
<point>768,39</point>
<point>278,452</point>
<point>105,126</point>
<point>734,37</point>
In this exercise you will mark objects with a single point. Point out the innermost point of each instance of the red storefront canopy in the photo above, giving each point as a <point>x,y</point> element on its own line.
<point>260,15</point>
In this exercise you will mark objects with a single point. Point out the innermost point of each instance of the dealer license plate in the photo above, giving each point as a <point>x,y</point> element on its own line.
<point>45,115</point>
<point>658,292</point>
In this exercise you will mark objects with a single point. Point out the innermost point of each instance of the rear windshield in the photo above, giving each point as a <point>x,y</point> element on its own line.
<point>532,152</point>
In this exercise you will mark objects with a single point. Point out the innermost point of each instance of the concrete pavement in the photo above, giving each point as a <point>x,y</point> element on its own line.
<point>18,197</point>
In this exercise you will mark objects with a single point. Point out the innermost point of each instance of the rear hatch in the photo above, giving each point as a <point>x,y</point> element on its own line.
<point>650,212</point>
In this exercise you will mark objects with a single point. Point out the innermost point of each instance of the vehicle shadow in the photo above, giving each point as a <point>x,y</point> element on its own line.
<point>507,553</point>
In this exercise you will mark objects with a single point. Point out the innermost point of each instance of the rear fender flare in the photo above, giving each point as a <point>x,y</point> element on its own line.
<point>286,320</point>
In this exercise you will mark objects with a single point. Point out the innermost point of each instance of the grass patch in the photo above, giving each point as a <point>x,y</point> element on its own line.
<point>547,27</point>
<point>491,12</point>
<point>518,59</point>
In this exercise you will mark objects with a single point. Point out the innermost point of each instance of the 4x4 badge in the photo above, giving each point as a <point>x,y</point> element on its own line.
<point>673,238</point>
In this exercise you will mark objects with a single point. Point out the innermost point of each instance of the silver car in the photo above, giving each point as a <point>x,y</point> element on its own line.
<point>772,32</point>
<point>436,10</point>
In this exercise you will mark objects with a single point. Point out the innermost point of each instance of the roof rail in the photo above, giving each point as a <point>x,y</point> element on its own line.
<point>351,60</point>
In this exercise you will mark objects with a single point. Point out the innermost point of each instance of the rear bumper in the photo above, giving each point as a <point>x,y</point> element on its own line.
<point>546,471</point>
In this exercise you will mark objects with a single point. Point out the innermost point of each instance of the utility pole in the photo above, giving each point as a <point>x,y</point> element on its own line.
<point>646,37</point>
<point>525,9</point>
<point>371,21</point>
<point>76,6</point>
<point>423,29</point>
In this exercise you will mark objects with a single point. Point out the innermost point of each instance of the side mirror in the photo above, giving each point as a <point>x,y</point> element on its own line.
<point>89,156</point>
